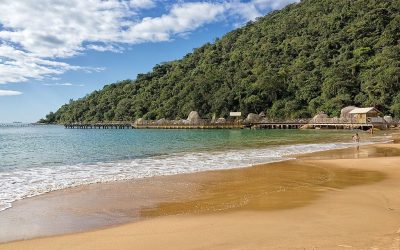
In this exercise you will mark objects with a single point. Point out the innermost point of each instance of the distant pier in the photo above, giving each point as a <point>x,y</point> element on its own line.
<point>99,125</point>
<point>304,124</point>
<point>351,118</point>
<point>191,126</point>
<point>276,125</point>
<point>16,124</point>
<point>150,125</point>
<point>361,126</point>
<point>310,125</point>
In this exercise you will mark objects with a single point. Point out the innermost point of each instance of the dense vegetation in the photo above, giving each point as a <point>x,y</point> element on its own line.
<point>317,55</point>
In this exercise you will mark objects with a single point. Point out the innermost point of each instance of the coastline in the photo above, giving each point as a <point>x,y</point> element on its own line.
<point>62,166</point>
<point>199,204</point>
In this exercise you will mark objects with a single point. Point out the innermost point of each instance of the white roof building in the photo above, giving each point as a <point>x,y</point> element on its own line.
<point>363,110</point>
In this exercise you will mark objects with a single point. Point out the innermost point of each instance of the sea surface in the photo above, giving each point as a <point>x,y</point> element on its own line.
<point>39,159</point>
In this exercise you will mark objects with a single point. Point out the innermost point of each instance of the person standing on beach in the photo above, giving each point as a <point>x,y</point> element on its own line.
<point>356,138</point>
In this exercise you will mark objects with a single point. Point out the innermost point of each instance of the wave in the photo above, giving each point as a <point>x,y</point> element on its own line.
<point>20,184</point>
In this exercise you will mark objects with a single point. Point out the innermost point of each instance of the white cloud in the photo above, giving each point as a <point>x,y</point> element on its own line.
<point>36,34</point>
<point>19,66</point>
<point>180,19</point>
<point>9,92</point>
<point>64,84</point>
<point>103,48</point>
<point>142,4</point>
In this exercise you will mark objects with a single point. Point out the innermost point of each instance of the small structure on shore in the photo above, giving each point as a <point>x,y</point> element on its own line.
<point>319,118</point>
<point>252,118</point>
<point>139,121</point>
<point>351,117</point>
<point>221,120</point>
<point>161,121</point>
<point>194,117</point>
<point>366,115</point>
<point>236,115</point>
<point>345,112</point>
<point>388,118</point>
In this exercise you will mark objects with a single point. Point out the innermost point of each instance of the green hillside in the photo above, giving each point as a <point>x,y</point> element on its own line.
<point>318,55</point>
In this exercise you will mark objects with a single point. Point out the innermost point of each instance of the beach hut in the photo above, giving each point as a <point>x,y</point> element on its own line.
<point>194,117</point>
<point>139,121</point>
<point>221,120</point>
<point>366,115</point>
<point>320,117</point>
<point>345,112</point>
<point>252,118</point>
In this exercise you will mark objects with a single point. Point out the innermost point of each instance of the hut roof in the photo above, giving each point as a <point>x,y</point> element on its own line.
<point>320,115</point>
<point>363,110</point>
<point>348,109</point>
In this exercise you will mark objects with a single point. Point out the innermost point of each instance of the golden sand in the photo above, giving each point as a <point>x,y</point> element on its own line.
<point>313,202</point>
<point>266,187</point>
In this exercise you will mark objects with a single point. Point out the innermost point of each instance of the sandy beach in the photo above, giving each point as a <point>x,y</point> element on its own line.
<point>341,199</point>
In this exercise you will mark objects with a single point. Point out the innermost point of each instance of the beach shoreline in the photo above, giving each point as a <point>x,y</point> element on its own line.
<point>180,205</point>
<point>126,155</point>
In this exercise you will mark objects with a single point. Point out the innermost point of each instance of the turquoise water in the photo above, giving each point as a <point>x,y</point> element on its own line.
<point>39,159</point>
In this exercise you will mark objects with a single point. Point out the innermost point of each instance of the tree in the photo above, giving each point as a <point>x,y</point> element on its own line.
<point>308,57</point>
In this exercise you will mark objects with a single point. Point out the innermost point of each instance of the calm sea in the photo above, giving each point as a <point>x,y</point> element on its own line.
<point>38,159</point>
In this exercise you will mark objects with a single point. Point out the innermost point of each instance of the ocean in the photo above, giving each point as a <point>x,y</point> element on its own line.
<point>39,159</point>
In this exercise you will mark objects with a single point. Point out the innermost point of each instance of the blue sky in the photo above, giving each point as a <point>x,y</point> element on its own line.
<point>52,51</point>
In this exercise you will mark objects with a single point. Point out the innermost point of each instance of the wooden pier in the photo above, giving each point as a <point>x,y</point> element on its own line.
<point>193,126</point>
<point>276,125</point>
<point>361,126</point>
<point>345,123</point>
<point>264,125</point>
<point>13,125</point>
<point>299,124</point>
<point>99,126</point>
<point>151,125</point>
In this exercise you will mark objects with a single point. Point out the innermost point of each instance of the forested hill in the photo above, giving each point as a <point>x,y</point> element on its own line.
<point>317,55</point>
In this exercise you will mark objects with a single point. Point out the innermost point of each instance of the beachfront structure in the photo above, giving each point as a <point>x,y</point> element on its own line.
<point>350,118</point>
<point>366,115</point>
<point>345,112</point>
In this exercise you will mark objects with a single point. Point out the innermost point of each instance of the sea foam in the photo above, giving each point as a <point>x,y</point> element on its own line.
<point>20,184</point>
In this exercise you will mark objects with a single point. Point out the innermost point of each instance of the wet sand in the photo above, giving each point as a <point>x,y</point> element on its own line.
<point>313,202</point>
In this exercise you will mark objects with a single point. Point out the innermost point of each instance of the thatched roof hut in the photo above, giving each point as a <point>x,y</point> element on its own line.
<point>251,118</point>
<point>194,117</point>
<point>345,112</point>
<point>320,116</point>
<point>161,121</point>
<point>221,120</point>
<point>139,121</point>
<point>388,118</point>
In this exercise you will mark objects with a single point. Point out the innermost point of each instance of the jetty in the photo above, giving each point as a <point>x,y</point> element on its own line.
<point>276,124</point>
<point>15,124</point>
<point>351,118</point>
<point>327,123</point>
<point>334,123</point>
<point>107,125</point>
<point>154,125</point>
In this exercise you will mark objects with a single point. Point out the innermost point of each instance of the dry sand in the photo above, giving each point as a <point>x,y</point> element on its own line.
<point>311,203</point>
